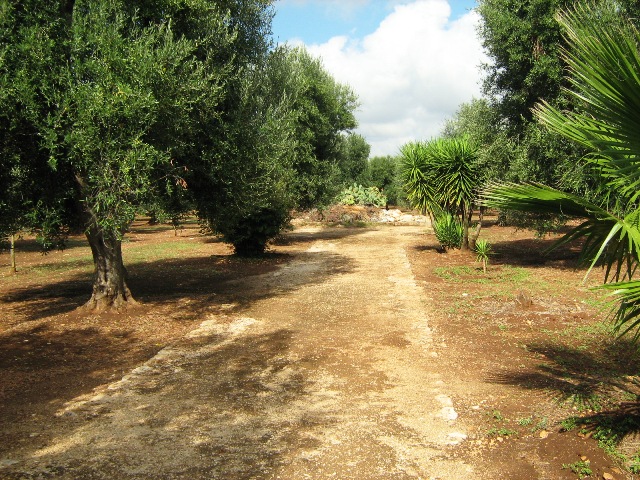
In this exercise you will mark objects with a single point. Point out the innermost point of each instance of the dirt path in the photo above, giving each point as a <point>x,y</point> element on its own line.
<point>320,369</point>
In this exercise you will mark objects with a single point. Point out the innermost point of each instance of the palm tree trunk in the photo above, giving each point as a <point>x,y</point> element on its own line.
<point>466,223</point>
<point>476,233</point>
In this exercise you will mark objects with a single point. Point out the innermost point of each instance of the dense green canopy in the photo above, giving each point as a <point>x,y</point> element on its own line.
<point>110,107</point>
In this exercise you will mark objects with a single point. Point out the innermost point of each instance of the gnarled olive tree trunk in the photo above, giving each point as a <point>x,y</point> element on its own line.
<point>110,290</point>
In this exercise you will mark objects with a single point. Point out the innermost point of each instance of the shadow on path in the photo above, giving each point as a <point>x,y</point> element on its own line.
<point>202,279</point>
<point>228,408</point>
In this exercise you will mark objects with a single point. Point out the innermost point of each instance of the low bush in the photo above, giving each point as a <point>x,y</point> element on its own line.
<point>359,195</point>
<point>249,234</point>
<point>448,230</point>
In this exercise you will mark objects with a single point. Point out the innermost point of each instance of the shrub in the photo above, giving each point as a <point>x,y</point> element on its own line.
<point>483,250</point>
<point>359,195</point>
<point>249,234</point>
<point>448,230</point>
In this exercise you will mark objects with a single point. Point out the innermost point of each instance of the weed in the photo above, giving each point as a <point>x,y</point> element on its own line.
<point>525,422</point>
<point>595,330</point>
<point>634,464</point>
<point>458,307</point>
<point>581,468</point>
<point>497,416</point>
<point>483,250</point>
<point>503,327</point>
<point>609,432</point>
<point>585,401</point>
<point>542,424</point>
<point>453,273</point>
<point>599,302</point>
<point>513,274</point>
<point>569,424</point>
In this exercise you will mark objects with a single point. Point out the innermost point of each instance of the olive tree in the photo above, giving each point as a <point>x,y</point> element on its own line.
<point>113,104</point>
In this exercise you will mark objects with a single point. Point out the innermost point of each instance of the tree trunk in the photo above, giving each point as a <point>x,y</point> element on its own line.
<point>476,234</point>
<point>110,290</point>
<point>12,253</point>
<point>466,222</point>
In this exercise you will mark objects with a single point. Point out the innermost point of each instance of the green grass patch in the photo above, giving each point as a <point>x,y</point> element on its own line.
<point>159,251</point>
<point>513,274</point>
<point>454,274</point>
<point>467,274</point>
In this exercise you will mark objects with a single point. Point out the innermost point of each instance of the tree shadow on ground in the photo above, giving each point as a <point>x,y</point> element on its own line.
<point>428,248</point>
<point>530,252</point>
<point>535,252</point>
<point>41,366</point>
<point>224,279</point>
<point>325,233</point>
<point>583,377</point>
<point>204,280</point>
<point>55,298</point>
<point>230,407</point>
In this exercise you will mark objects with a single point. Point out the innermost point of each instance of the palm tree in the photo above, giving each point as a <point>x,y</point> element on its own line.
<point>440,176</point>
<point>604,65</point>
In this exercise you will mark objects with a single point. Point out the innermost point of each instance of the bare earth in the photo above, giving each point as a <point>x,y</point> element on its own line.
<point>330,359</point>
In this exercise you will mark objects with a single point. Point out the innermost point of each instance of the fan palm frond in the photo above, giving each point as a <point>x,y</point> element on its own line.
<point>608,238</point>
<point>626,305</point>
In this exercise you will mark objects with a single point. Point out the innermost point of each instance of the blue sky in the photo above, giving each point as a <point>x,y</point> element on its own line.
<point>316,21</point>
<point>411,62</point>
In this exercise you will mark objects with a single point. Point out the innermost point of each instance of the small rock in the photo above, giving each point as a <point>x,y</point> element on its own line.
<point>608,476</point>
<point>66,414</point>
<point>544,434</point>
<point>456,438</point>
<point>141,369</point>
<point>449,413</point>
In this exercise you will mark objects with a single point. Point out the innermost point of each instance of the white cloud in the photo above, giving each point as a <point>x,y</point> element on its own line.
<point>411,74</point>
